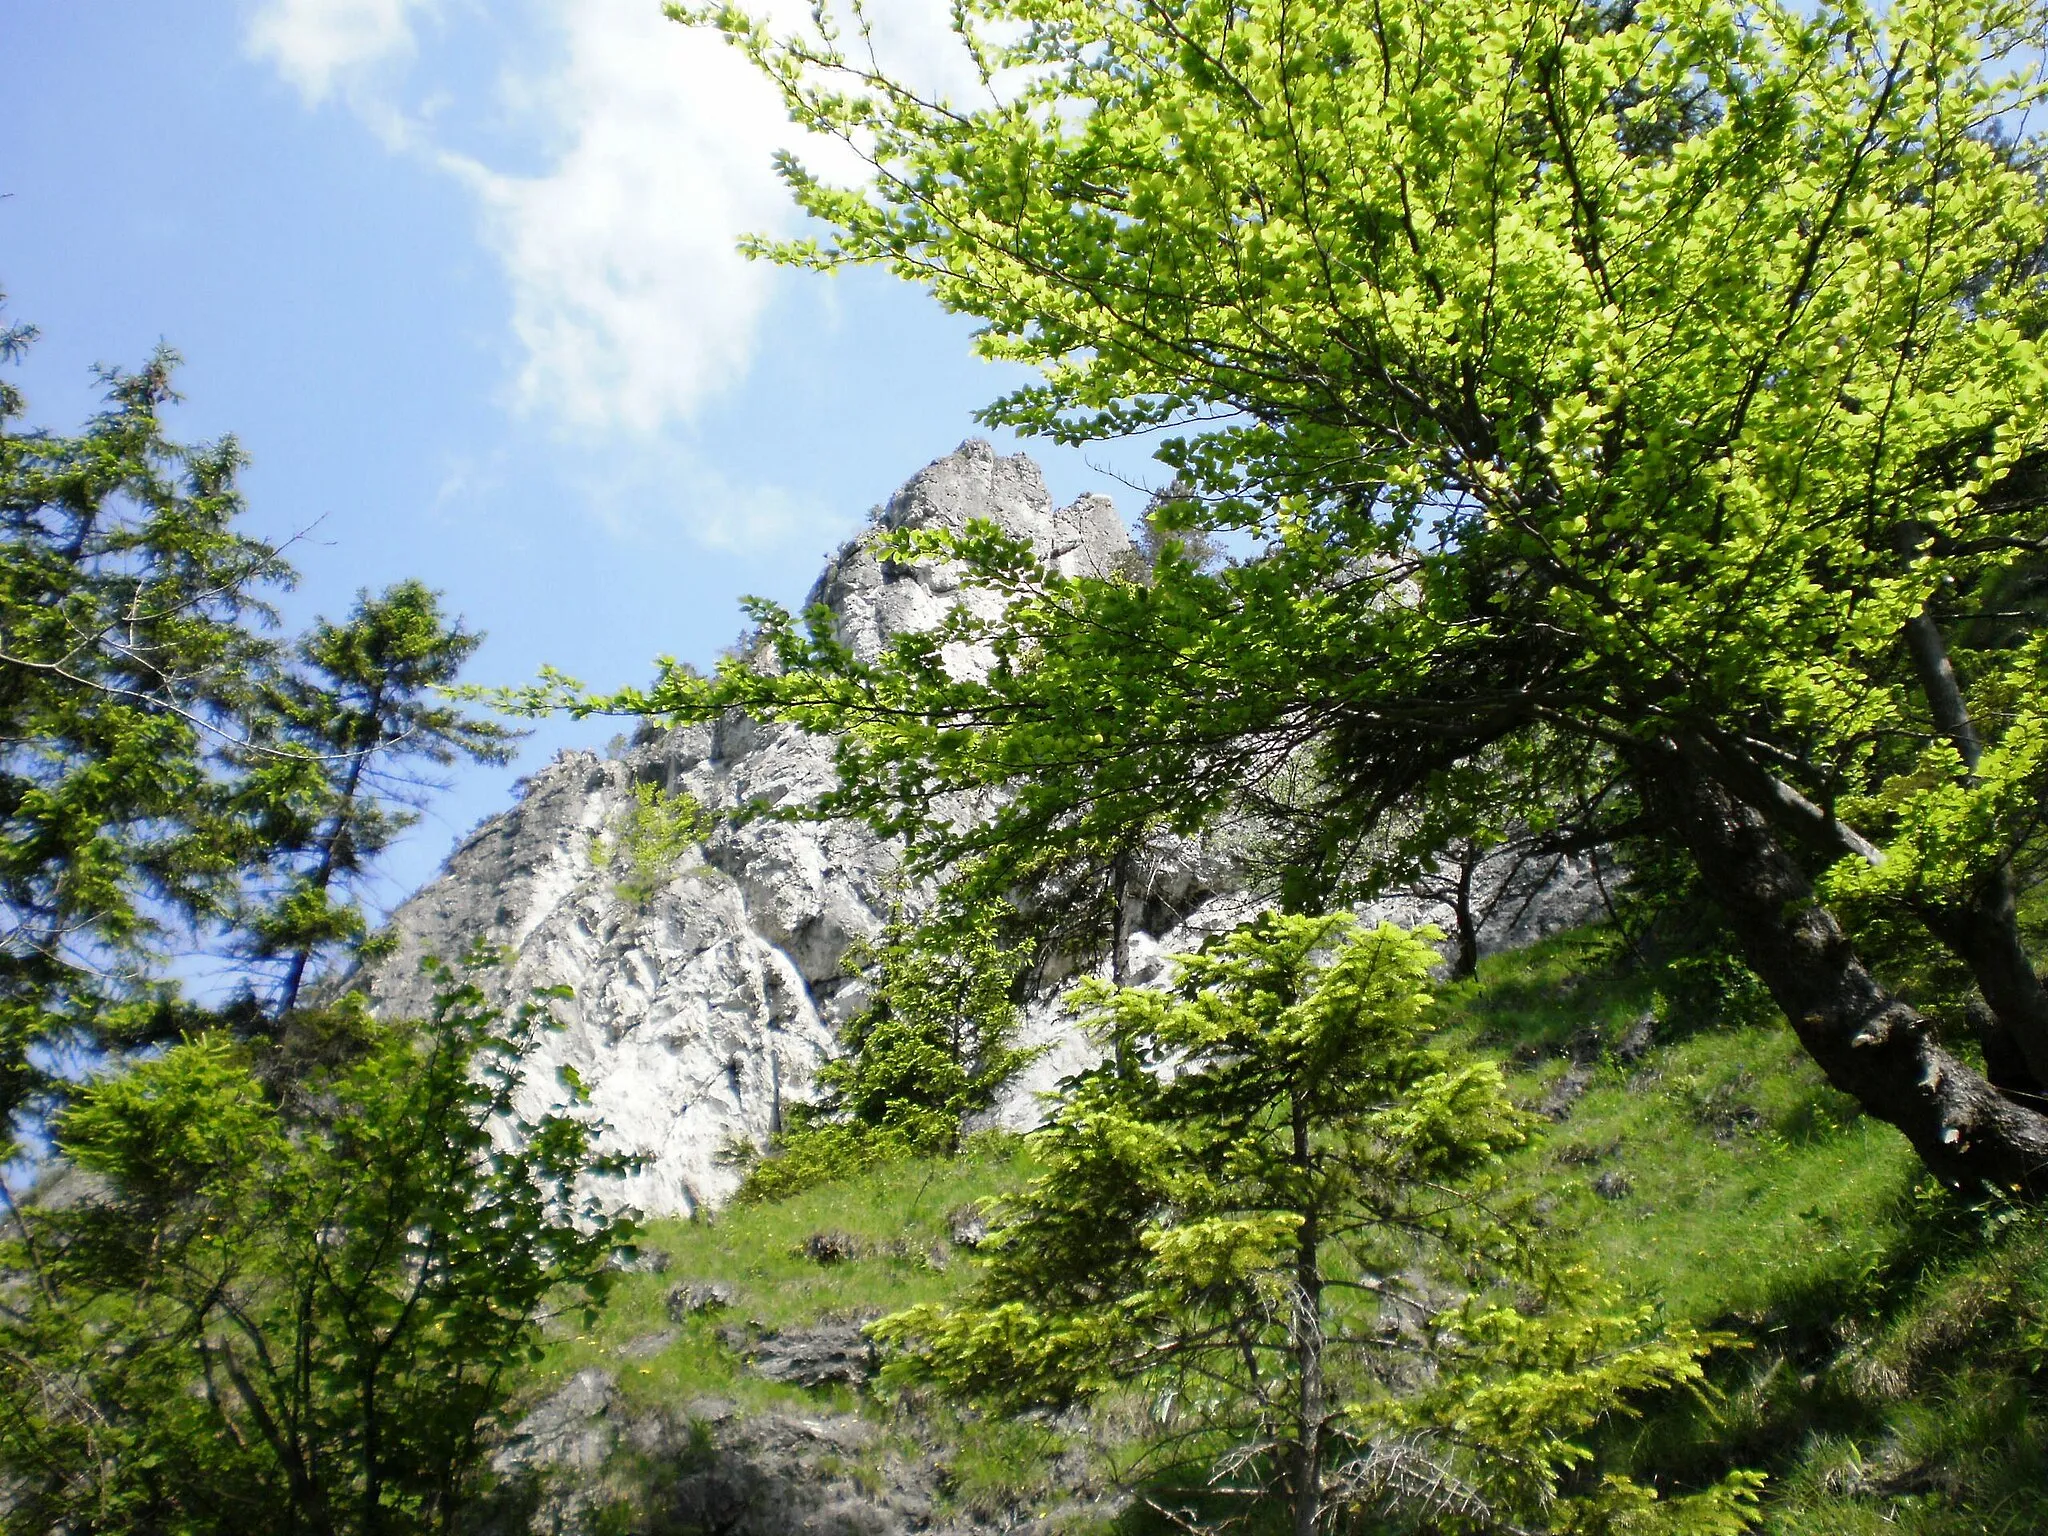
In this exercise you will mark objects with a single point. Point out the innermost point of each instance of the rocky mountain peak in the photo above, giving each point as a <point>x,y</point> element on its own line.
<point>697,1014</point>
<point>876,599</point>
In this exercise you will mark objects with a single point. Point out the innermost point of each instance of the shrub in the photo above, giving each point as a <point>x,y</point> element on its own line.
<point>300,1314</point>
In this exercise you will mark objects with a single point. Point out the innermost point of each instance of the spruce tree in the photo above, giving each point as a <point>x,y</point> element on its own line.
<point>361,701</point>
<point>1271,1212</point>
<point>934,1047</point>
<point>289,1288</point>
<point>133,654</point>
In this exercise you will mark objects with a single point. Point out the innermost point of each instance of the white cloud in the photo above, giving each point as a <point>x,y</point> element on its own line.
<point>317,44</point>
<point>630,303</point>
<point>638,498</point>
<point>630,306</point>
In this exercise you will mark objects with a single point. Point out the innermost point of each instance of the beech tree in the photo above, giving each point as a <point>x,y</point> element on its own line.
<point>301,1315</point>
<point>1647,396</point>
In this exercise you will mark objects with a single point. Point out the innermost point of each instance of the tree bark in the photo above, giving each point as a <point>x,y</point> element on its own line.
<point>1871,1045</point>
<point>1985,931</point>
<point>1466,961</point>
<point>330,847</point>
<point>1938,682</point>
<point>309,1502</point>
<point>1120,947</point>
<point>1985,935</point>
<point>1119,919</point>
<point>1308,1343</point>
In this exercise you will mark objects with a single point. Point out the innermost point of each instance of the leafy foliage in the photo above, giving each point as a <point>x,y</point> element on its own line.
<point>931,1049</point>
<point>303,1316</point>
<point>1238,1216</point>
<point>1630,404</point>
<point>1233,222</point>
<point>657,830</point>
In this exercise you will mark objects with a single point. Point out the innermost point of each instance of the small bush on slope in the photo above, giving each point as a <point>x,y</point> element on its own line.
<point>932,1049</point>
<point>658,828</point>
<point>265,1317</point>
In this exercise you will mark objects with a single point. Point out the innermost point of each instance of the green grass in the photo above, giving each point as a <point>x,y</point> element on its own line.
<point>896,1213</point>
<point>1892,1341</point>
<point>1749,1179</point>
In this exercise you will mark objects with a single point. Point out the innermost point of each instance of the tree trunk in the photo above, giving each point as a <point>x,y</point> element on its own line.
<point>309,1502</point>
<point>1984,932</point>
<point>1871,1045</point>
<point>1466,962</point>
<point>330,847</point>
<point>1120,947</point>
<point>1985,935</point>
<point>1308,1346</point>
<point>1119,919</point>
<point>1938,682</point>
<point>373,1458</point>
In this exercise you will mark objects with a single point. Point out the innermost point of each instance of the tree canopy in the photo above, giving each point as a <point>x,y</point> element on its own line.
<point>1637,405</point>
<point>274,1264</point>
<point>302,1311</point>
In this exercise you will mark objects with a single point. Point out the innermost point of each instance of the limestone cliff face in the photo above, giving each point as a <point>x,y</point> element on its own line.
<point>875,600</point>
<point>698,1014</point>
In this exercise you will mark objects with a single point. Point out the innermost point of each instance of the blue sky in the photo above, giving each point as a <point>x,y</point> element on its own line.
<point>460,277</point>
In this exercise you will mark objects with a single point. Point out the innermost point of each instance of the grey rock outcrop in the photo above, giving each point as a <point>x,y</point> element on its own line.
<point>571,1431</point>
<point>817,1356</point>
<point>709,1467</point>
<point>694,1296</point>
<point>696,1015</point>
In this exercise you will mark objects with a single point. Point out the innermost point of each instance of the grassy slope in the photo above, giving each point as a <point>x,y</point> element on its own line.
<point>897,1217</point>
<point>1888,1377</point>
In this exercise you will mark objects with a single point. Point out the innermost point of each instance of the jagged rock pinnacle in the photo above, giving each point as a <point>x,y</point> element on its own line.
<point>696,1016</point>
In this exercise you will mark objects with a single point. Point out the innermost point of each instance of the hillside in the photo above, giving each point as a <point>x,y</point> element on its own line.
<point>1885,1369</point>
<point>1468,964</point>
